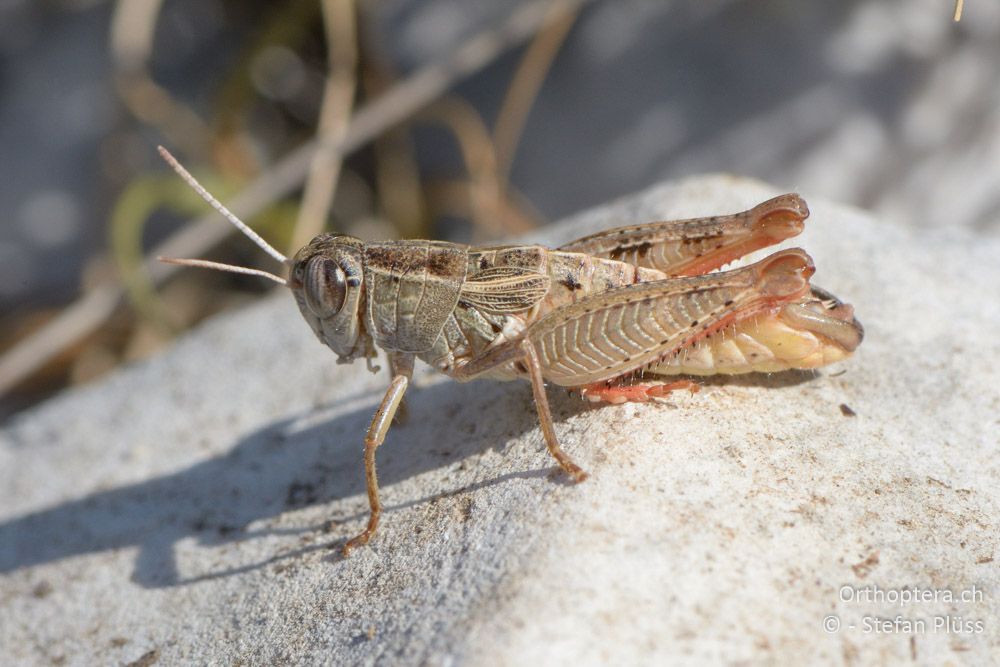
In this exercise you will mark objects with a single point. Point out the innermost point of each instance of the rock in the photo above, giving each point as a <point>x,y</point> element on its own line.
<point>184,510</point>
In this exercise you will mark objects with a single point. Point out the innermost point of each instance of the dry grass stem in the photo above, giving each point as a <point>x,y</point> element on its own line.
<point>340,24</point>
<point>133,27</point>
<point>527,81</point>
<point>399,103</point>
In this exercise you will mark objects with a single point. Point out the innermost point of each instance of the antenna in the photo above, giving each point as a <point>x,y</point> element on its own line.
<point>217,205</point>
<point>218,266</point>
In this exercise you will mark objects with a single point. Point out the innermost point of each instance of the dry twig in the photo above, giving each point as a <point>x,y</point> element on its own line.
<point>527,81</point>
<point>340,24</point>
<point>395,106</point>
<point>133,25</point>
<point>481,197</point>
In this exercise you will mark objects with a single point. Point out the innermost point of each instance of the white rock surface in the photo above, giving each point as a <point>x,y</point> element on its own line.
<point>179,512</point>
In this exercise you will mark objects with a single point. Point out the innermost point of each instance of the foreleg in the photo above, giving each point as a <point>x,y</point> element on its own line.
<point>375,437</point>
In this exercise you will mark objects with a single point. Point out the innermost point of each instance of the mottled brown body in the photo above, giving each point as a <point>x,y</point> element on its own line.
<point>570,277</point>
<point>598,315</point>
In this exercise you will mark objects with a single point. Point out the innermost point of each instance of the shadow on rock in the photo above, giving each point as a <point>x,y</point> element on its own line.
<point>285,467</point>
<point>278,468</point>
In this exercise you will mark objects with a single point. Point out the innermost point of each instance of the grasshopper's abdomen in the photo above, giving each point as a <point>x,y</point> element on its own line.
<point>814,331</point>
<point>763,344</point>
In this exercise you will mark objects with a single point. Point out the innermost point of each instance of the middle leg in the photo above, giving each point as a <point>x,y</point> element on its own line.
<point>376,435</point>
<point>544,415</point>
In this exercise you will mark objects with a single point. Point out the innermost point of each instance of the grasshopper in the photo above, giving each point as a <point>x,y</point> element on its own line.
<point>613,315</point>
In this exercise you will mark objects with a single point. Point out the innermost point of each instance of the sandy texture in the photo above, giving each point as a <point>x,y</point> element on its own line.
<point>183,510</point>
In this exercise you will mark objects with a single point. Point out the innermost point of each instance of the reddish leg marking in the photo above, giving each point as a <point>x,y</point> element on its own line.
<point>643,392</point>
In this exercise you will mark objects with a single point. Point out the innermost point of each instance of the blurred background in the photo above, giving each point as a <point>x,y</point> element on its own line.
<point>467,120</point>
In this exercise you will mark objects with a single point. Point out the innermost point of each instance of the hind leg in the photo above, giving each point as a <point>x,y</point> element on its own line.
<point>641,392</point>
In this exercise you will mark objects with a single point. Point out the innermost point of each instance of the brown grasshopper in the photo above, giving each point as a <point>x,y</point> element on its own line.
<point>598,315</point>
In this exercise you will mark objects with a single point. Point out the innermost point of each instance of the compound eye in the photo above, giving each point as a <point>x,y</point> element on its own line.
<point>325,286</point>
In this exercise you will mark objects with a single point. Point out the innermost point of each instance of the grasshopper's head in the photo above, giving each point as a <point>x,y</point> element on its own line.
<point>327,279</point>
